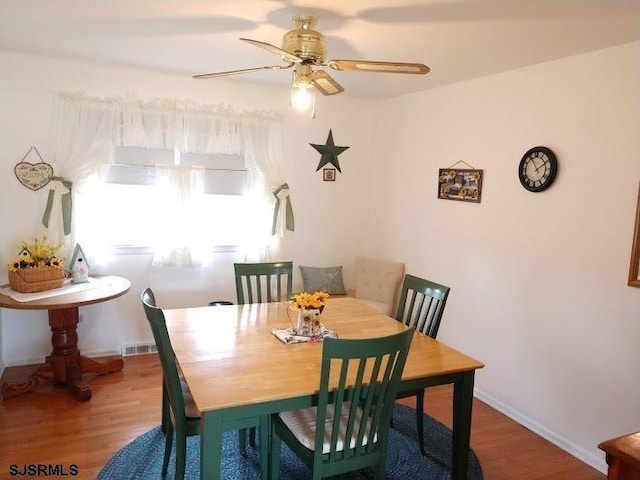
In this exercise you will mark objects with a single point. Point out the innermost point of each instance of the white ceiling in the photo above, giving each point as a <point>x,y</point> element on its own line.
<point>457,39</point>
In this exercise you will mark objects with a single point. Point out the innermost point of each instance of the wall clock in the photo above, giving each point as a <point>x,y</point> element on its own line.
<point>538,169</point>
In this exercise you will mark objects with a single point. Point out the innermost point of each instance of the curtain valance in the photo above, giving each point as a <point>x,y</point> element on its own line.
<point>86,130</point>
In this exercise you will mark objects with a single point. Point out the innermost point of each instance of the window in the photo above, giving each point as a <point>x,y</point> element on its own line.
<point>130,208</point>
<point>175,202</point>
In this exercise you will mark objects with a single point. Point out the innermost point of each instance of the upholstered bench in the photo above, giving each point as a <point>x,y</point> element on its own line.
<point>378,283</point>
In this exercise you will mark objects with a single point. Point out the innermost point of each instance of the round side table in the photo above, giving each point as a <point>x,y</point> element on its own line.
<point>65,365</point>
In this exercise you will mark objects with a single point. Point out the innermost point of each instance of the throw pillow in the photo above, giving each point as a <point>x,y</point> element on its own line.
<point>323,279</point>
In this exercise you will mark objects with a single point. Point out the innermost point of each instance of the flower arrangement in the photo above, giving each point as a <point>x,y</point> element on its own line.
<point>37,267</point>
<point>39,253</point>
<point>309,306</point>
<point>307,301</point>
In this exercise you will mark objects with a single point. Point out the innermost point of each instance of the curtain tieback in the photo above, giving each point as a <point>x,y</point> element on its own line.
<point>61,190</point>
<point>282,212</point>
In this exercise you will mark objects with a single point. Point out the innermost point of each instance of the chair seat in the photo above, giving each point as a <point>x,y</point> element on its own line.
<point>190,409</point>
<point>302,424</point>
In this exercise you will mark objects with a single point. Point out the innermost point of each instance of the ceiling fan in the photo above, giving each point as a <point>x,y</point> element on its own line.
<point>305,49</point>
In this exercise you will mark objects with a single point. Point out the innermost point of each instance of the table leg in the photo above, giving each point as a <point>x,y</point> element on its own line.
<point>462,406</point>
<point>42,374</point>
<point>90,365</point>
<point>211,445</point>
<point>265,433</point>
<point>64,339</point>
<point>78,386</point>
<point>65,365</point>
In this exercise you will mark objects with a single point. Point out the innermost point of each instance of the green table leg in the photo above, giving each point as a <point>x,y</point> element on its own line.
<point>462,405</point>
<point>264,445</point>
<point>211,445</point>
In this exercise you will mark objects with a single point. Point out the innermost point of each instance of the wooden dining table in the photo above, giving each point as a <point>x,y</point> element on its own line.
<point>237,369</point>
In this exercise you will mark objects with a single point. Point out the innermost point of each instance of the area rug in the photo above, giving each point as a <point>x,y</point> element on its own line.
<point>142,458</point>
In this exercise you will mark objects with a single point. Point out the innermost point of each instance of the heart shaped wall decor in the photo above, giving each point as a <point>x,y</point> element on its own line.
<point>33,176</point>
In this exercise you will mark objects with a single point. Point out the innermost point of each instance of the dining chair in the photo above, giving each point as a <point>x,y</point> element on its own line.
<point>180,415</point>
<point>420,307</point>
<point>349,427</point>
<point>263,282</point>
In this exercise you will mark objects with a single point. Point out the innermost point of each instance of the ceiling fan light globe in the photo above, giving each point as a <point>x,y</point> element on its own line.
<point>301,98</point>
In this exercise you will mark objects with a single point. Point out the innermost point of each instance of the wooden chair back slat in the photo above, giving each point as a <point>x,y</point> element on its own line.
<point>263,282</point>
<point>422,304</point>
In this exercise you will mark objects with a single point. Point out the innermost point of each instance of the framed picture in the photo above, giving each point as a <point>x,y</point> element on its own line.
<point>329,174</point>
<point>460,184</point>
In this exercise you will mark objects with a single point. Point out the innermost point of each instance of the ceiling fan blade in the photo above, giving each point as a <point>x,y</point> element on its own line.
<point>325,83</point>
<point>289,57</point>
<point>384,67</point>
<point>244,70</point>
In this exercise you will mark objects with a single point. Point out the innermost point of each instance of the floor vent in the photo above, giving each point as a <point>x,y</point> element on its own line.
<point>139,349</point>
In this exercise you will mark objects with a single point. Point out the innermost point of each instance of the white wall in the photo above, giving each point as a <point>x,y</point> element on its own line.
<point>539,281</point>
<point>329,216</point>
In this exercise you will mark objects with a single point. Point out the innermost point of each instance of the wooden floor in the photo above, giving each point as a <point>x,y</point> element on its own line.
<point>48,426</point>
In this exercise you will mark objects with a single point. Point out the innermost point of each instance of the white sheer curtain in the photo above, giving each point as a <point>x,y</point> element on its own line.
<point>81,146</point>
<point>263,156</point>
<point>87,130</point>
<point>181,242</point>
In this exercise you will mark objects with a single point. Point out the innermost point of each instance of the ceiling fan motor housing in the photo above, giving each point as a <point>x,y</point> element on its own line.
<point>304,42</point>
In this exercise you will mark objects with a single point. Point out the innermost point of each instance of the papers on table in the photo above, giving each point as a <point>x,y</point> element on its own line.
<point>288,335</point>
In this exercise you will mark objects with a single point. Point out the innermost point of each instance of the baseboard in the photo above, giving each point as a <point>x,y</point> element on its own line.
<point>559,441</point>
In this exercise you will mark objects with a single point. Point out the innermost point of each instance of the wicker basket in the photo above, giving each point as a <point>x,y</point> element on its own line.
<point>30,280</point>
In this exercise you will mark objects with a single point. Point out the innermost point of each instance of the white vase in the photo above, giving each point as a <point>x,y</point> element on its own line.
<point>308,322</point>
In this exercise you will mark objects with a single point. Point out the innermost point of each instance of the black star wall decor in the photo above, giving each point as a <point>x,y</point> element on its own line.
<point>329,153</point>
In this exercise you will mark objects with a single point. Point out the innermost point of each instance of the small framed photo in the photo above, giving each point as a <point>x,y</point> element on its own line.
<point>460,184</point>
<point>329,174</point>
